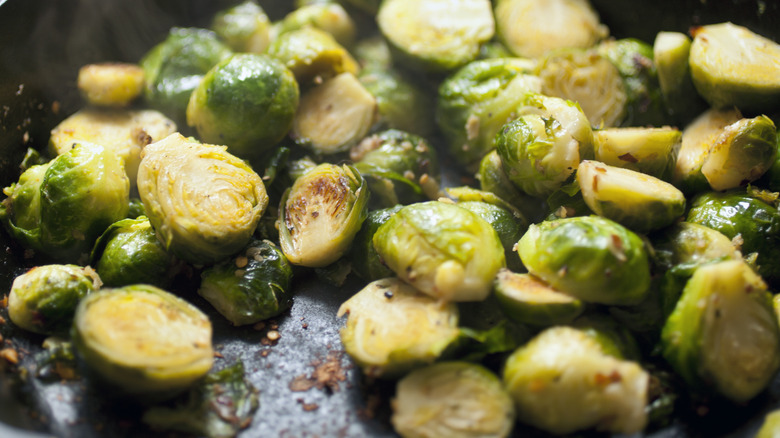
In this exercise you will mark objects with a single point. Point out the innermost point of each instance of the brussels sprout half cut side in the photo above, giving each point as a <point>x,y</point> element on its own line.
<point>321,214</point>
<point>723,336</point>
<point>528,300</point>
<point>310,53</point>
<point>44,299</point>
<point>392,328</point>
<point>452,399</point>
<point>648,150</point>
<point>147,342</point>
<point>671,51</point>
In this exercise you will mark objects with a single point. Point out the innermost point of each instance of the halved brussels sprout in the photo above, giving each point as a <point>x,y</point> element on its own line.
<point>444,250</point>
<point>648,150</point>
<point>400,168</point>
<point>562,381</point>
<point>493,179</point>
<point>697,140</point>
<point>732,66</point>
<point>363,257</point>
<point>400,102</point>
<point>539,153</point>
<point>742,153</point>
<point>634,199</point>
<point>326,16</point>
<point>392,328</point>
<point>244,27</point>
<point>588,78</point>
<point>147,342</point>
<point>634,60</point>
<point>723,336</point>
<point>590,257</point>
<point>129,252</point>
<point>751,223</point>
<point>532,28</point>
<point>671,52</point>
<point>124,132</point>
<point>477,100</point>
<point>110,84</point>
<point>20,211</point>
<point>334,115</point>
<point>528,300</point>
<point>250,287</point>
<point>203,202</point>
<point>321,214</point>
<point>246,102</point>
<point>44,299</point>
<point>687,245</point>
<point>452,399</point>
<point>436,35</point>
<point>310,52</point>
<point>174,68</point>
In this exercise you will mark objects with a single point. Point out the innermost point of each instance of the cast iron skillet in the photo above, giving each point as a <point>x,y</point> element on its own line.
<point>42,44</point>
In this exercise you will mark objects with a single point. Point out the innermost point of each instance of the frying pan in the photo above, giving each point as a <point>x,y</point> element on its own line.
<point>42,45</point>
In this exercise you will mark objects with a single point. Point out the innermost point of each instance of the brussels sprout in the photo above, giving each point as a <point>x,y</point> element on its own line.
<point>443,250</point>
<point>477,100</point>
<point>373,54</point>
<point>634,199</point>
<point>723,336</point>
<point>671,51</point>
<point>363,257</point>
<point>436,35</point>
<point>392,328</point>
<point>203,202</point>
<point>326,16</point>
<point>589,257</point>
<point>539,153</point>
<point>401,104</point>
<point>614,339</point>
<point>321,213</point>
<point>687,245</point>
<point>244,27</point>
<point>309,52</point>
<point>751,223</point>
<point>221,405</point>
<point>334,115</point>
<point>697,140</point>
<point>648,150</point>
<point>400,168</point>
<point>44,299</point>
<point>20,212</point>
<point>528,300</point>
<point>588,78</point>
<point>743,152</point>
<point>246,102</point>
<point>129,252</point>
<point>562,381</point>
<point>533,28</point>
<point>453,399</point>
<point>732,66</point>
<point>252,286</point>
<point>123,132</point>
<point>110,84</point>
<point>136,208</point>
<point>174,68</point>
<point>634,60</point>
<point>145,341</point>
<point>493,179</point>
<point>771,425</point>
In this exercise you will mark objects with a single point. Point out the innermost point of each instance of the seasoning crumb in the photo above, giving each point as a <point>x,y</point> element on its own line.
<point>241,262</point>
<point>265,353</point>
<point>308,407</point>
<point>9,355</point>
<point>305,326</point>
<point>4,302</point>
<point>259,326</point>
<point>55,107</point>
<point>218,354</point>
<point>273,335</point>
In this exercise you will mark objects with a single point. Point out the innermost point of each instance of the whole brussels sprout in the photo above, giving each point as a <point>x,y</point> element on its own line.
<point>44,299</point>
<point>477,100</point>
<point>589,257</point>
<point>453,399</point>
<point>723,336</point>
<point>321,214</point>
<point>752,224</point>
<point>443,250</point>
<point>246,102</point>
<point>244,27</point>
<point>326,16</point>
<point>562,381</point>
<point>250,287</point>
<point>392,328</point>
<point>363,257</point>
<point>146,342</point>
<point>174,67</point>
<point>61,208</point>
<point>203,202</point>
<point>129,252</point>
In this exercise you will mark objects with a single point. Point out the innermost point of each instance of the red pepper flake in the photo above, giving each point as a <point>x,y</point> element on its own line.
<point>628,157</point>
